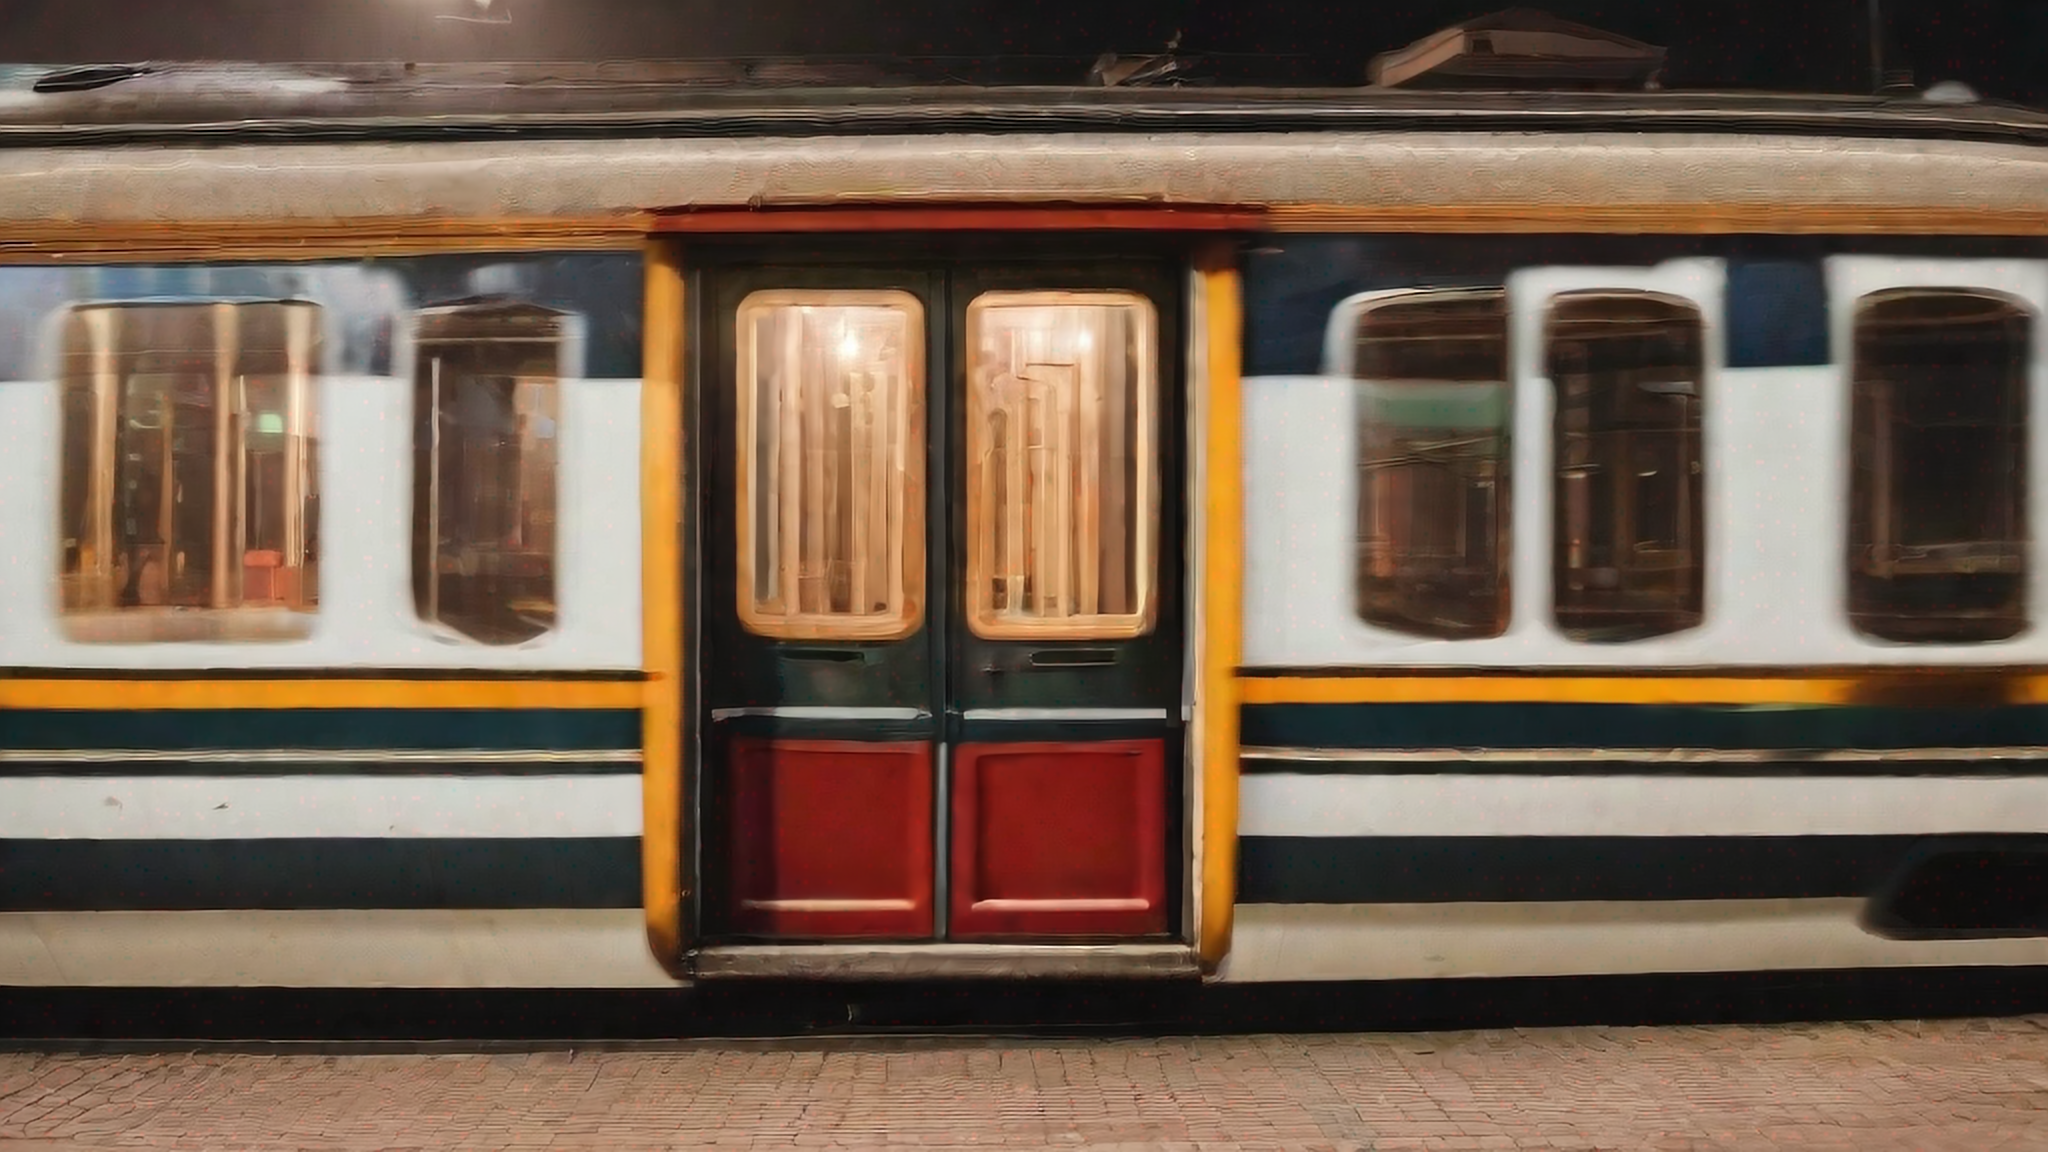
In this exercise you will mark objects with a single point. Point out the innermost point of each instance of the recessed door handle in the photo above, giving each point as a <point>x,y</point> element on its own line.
<point>824,655</point>
<point>1074,658</point>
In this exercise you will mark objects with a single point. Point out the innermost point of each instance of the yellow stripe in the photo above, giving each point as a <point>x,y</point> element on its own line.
<point>73,242</point>
<point>1222,598</point>
<point>143,695</point>
<point>1548,690</point>
<point>2029,689</point>
<point>661,478</point>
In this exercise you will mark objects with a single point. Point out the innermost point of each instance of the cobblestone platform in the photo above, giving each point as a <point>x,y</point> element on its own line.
<point>1965,1085</point>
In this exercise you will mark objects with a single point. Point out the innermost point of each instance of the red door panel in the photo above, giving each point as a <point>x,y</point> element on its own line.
<point>830,838</point>
<point>1059,839</point>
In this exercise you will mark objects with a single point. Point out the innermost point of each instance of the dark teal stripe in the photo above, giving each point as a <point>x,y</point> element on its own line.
<point>1503,726</point>
<point>323,729</point>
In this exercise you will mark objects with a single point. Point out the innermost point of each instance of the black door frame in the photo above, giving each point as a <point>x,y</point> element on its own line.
<point>952,270</point>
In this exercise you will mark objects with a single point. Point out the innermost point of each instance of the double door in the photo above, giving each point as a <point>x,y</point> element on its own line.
<point>941,603</point>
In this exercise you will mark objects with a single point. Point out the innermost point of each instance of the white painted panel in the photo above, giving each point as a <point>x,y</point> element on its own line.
<point>1291,804</point>
<point>366,617</point>
<point>1300,482</point>
<point>1275,942</point>
<point>518,948</point>
<point>280,807</point>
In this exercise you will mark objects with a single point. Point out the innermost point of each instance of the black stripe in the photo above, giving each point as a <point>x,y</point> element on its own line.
<point>1637,726</point>
<point>323,728</point>
<point>1792,762</point>
<point>981,731</point>
<point>131,875</point>
<point>1448,869</point>
<point>874,731</point>
<point>451,767</point>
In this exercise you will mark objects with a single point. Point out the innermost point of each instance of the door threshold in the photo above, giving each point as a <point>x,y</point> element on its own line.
<point>1154,961</point>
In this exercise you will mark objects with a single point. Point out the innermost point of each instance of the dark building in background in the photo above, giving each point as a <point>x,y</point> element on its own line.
<point>1998,46</point>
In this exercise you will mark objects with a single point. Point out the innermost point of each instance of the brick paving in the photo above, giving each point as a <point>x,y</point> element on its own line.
<point>1965,1085</point>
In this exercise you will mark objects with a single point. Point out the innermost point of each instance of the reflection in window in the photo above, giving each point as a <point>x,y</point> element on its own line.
<point>189,497</point>
<point>1433,418</point>
<point>831,465</point>
<point>1063,466</point>
<point>1629,536</point>
<point>486,406</point>
<point>1938,466</point>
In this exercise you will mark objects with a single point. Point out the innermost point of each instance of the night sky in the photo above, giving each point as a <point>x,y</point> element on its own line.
<point>2000,46</point>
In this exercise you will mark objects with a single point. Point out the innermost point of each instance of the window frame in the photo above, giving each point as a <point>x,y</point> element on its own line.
<point>478,311</point>
<point>1147,503</point>
<point>1865,404</point>
<point>1700,547</point>
<point>910,556</point>
<point>227,616</point>
<point>1343,338</point>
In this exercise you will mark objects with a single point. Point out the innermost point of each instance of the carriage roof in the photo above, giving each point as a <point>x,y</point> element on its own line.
<point>184,102</point>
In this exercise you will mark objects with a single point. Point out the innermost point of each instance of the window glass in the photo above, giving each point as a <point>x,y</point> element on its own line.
<point>189,496</point>
<point>1629,532</point>
<point>1938,466</point>
<point>1434,409</point>
<point>831,465</point>
<point>486,403</point>
<point>1062,465</point>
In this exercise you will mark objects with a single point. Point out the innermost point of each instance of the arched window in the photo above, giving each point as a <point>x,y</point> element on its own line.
<point>1434,409</point>
<point>486,405</point>
<point>1629,537</point>
<point>1938,466</point>
<point>189,493</point>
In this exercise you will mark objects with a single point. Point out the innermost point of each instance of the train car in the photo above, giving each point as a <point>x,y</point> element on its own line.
<point>656,526</point>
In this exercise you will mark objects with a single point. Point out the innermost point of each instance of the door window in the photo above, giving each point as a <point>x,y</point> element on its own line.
<point>830,471</point>
<point>1062,473</point>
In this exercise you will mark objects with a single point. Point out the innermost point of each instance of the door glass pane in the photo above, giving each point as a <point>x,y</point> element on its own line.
<point>1433,411</point>
<point>831,465</point>
<point>1062,465</point>
<point>1628,554</point>
<point>1938,481</point>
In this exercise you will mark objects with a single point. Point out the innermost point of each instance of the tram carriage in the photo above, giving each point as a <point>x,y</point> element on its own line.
<point>645,529</point>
